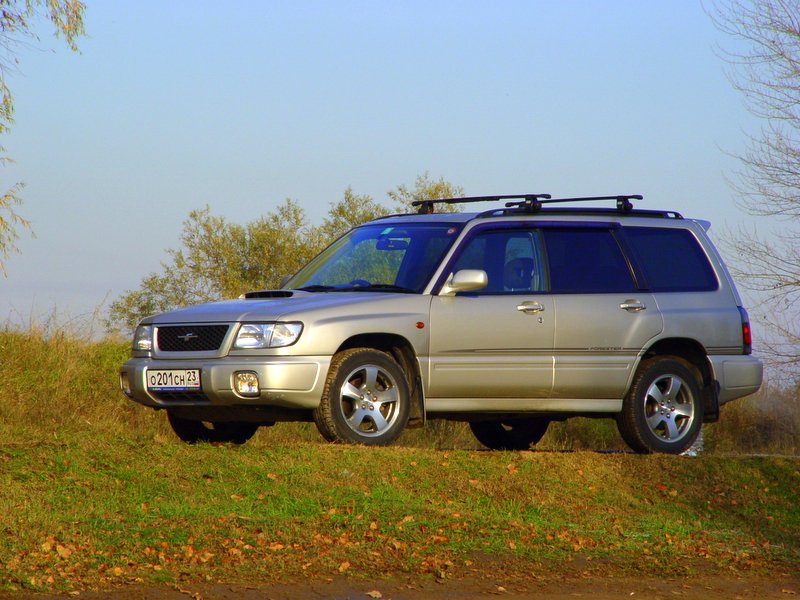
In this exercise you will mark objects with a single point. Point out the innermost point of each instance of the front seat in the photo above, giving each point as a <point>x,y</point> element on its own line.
<point>517,275</point>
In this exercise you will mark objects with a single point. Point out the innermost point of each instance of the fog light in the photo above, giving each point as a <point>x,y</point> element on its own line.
<point>246,383</point>
<point>125,385</point>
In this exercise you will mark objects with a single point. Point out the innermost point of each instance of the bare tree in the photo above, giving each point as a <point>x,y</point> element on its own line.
<point>764,57</point>
<point>16,19</point>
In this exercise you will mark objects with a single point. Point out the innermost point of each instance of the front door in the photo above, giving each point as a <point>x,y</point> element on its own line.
<point>496,342</point>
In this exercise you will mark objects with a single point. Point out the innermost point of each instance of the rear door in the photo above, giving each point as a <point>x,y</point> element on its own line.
<point>604,319</point>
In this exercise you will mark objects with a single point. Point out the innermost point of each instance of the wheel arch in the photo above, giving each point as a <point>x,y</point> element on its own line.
<point>693,353</point>
<point>403,352</point>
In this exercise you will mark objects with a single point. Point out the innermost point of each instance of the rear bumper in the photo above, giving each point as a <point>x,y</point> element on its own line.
<point>738,375</point>
<point>287,382</point>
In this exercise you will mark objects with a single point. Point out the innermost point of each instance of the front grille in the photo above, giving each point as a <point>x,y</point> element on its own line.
<point>194,396</point>
<point>190,338</point>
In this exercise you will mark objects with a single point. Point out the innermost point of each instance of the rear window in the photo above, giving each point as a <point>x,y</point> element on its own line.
<point>672,260</point>
<point>586,261</point>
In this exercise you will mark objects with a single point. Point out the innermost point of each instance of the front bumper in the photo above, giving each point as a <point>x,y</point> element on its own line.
<point>286,381</point>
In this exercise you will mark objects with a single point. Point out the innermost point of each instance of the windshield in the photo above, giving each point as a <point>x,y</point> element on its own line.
<point>379,258</point>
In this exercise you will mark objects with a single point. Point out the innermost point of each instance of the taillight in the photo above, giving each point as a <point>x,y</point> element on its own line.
<point>747,334</point>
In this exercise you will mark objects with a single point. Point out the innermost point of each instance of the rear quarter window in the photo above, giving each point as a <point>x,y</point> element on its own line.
<point>672,260</point>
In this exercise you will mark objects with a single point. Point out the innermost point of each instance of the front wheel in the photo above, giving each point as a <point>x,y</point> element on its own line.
<point>511,434</point>
<point>366,399</point>
<point>663,411</point>
<point>192,432</point>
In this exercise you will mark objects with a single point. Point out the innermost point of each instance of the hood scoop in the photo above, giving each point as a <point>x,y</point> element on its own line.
<point>266,294</point>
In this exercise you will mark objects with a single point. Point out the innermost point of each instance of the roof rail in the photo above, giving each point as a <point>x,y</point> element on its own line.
<point>426,206</point>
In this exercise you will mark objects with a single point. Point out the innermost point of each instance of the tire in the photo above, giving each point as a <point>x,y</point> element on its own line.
<point>663,411</point>
<point>366,399</point>
<point>221,432</point>
<point>511,434</point>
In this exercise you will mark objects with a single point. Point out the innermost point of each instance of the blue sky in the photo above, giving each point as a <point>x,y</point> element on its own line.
<point>239,105</point>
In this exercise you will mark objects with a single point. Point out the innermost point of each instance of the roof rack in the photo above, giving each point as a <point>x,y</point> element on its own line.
<point>426,206</point>
<point>526,202</point>
<point>533,203</point>
<point>623,202</point>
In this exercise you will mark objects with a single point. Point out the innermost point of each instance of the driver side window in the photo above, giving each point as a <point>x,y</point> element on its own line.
<point>513,261</point>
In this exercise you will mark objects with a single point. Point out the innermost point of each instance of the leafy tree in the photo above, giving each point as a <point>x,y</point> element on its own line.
<point>765,68</point>
<point>218,259</point>
<point>425,188</point>
<point>16,19</point>
<point>350,211</point>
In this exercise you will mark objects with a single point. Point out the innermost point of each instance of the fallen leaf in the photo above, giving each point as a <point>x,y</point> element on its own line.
<point>374,594</point>
<point>344,566</point>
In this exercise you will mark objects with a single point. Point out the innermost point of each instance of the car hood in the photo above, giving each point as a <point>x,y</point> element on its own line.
<point>270,306</point>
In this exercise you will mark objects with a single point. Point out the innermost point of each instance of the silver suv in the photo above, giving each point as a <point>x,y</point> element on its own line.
<point>507,319</point>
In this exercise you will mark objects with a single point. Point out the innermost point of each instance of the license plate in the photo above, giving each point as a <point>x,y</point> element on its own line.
<point>173,380</point>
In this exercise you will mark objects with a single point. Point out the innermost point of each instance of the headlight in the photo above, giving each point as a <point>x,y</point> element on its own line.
<point>267,335</point>
<point>143,338</point>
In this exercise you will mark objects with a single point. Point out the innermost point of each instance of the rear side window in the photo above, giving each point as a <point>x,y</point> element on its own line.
<point>586,261</point>
<point>672,260</point>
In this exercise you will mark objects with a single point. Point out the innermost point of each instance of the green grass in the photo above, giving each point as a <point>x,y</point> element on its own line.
<point>90,510</point>
<point>97,492</point>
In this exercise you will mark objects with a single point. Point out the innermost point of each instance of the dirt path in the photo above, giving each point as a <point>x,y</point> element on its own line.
<point>704,587</point>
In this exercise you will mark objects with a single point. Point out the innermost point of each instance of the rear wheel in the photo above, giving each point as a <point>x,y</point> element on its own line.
<point>366,399</point>
<point>192,432</point>
<point>663,411</point>
<point>511,434</point>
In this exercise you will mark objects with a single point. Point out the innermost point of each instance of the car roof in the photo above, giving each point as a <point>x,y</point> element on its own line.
<point>580,215</point>
<point>533,206</point>
<point>542,207</point>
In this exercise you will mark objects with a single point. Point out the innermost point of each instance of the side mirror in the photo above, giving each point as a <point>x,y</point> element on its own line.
<point>465,280</point>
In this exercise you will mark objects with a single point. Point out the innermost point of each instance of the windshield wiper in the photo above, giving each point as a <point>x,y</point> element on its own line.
<point>317,288</point>
<point>379,287</point>
<point>372,287</point>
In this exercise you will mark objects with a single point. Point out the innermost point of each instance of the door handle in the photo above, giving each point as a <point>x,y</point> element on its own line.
<point>633,306</point>
<point>530,307</point>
